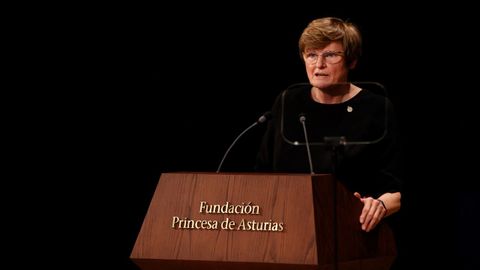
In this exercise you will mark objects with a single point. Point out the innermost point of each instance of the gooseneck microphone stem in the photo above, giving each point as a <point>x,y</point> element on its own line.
<point>307,144</point>
<point>231,145</point>
<point>262,119</point>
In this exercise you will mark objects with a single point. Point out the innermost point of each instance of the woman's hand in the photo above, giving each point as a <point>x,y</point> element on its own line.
<point>373,212</point>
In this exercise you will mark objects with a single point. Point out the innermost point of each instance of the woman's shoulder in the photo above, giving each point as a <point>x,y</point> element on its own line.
<point>296,90</point>
<point>367,95</point>
<point>373,101</point>
<point>293,92</point>
<point>298,87</point>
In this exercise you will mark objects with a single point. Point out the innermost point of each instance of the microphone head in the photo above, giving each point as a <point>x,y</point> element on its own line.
<point>266,116</point>
<point>302,117</point>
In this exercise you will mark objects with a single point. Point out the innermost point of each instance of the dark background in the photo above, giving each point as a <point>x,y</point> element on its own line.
<point>164,89</point>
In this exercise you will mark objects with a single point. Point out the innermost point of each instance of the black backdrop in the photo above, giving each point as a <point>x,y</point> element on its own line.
<point>177,84</point>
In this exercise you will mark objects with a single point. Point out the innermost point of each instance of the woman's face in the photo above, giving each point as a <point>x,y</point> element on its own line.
<point>326,67</point>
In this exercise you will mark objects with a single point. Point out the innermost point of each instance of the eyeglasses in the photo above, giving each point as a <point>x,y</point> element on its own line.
<point>330,57</point>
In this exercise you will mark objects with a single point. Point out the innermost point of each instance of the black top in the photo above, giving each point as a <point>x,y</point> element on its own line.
<point>367,163</point>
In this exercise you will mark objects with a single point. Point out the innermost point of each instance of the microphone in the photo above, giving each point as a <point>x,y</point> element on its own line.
<point>262,119</point>
<point>302,119</point>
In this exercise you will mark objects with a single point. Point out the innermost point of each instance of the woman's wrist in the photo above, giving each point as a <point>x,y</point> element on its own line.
<point>384,206</point>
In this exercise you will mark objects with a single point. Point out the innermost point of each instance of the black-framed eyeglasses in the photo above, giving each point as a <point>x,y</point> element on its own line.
<point>330,57</point>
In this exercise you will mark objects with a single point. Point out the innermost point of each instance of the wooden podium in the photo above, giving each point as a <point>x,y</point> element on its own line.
<point>257,221</point>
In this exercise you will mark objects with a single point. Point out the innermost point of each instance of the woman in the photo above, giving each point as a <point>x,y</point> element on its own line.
<point>351,130</point>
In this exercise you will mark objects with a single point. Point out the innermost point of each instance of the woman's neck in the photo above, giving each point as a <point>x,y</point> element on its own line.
<point>336,94</point>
